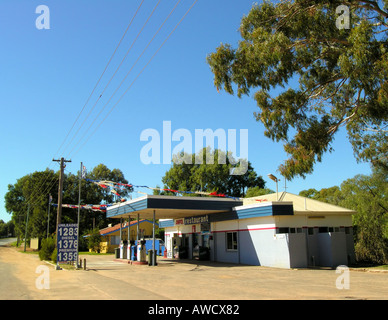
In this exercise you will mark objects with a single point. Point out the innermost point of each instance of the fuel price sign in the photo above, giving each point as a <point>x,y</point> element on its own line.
<point>67,243</point>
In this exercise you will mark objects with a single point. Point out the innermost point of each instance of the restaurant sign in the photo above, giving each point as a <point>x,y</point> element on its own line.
<point>197,219</point>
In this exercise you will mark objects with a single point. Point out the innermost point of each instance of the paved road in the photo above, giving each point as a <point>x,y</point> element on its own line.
<point>10,286</point>
<point>106,279</point>
<point>7,241</point>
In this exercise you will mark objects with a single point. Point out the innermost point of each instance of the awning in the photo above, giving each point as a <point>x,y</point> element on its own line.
<point>171,207</point>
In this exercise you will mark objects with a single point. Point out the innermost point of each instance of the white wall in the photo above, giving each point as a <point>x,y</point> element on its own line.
<point>259,244</point>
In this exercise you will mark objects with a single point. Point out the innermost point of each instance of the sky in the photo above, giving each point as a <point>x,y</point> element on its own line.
<point>51,61</point>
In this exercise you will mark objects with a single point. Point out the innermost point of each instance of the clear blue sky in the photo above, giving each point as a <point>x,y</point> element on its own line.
<point>47,76</point>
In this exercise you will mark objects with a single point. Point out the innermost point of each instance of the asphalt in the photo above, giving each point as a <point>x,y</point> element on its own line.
<point>106,279</point>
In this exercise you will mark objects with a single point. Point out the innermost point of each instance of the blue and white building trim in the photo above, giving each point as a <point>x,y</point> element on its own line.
<point>296,232</point>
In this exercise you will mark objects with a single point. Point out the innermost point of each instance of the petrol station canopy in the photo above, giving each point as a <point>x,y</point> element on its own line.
<point>171,207</point>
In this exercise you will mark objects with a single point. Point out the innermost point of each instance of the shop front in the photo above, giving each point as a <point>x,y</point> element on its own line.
<point>191,238</point>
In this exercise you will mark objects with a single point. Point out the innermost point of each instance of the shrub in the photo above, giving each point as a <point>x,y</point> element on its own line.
<point>83,243</point>
<point>94,240</point>
<point>47,249</point>
<point>54,256</point>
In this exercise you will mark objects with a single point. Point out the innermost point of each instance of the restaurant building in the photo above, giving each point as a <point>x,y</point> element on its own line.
<point>276,230</point>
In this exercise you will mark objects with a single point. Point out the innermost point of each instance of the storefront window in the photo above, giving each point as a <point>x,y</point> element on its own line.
<point>231,241</point>
<point>114,240</point>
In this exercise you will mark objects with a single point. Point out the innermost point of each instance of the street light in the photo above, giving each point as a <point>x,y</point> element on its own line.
<point>272,177</point>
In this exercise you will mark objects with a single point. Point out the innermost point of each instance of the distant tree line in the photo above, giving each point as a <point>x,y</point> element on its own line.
<point>35,188</point>
<point>6,229</point>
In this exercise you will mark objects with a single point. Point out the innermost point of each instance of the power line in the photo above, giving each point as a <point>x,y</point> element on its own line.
<point>150,60</point>
<point>114,106</point>
<point>37,190</point>
<point>41,186</point>
<point>144,50</point>
<point>106,67</point>
<point>112,77</point>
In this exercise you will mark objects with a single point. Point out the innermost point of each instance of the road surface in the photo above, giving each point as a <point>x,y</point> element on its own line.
<point>106,279</point>
<point>7,241</point>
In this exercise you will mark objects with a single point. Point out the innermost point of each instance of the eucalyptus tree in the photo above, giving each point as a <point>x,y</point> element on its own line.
<point>313,67</point>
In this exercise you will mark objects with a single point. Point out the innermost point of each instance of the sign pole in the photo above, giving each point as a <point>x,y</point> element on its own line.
<point>25,232</point>
<point>153,241</point>
<point>79,209</point>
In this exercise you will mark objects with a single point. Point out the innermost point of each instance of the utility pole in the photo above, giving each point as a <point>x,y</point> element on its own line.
<point>25,232</point>
<point>48,215</point>
<point>79,209</point>
<point>60,189</point>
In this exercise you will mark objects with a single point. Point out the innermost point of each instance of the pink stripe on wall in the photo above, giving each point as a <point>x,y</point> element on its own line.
<point>249,229</point>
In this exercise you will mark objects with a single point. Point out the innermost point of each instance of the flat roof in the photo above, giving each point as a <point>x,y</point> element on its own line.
<point>171,207</point>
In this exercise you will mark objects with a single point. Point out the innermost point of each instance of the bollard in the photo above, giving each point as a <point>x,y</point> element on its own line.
<point>84,264</point>
<point>80,263</point>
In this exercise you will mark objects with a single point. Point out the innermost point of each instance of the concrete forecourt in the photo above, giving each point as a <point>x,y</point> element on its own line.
<point>25,277</point>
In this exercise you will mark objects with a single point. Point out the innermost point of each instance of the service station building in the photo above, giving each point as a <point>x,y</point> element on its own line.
<point>276,230</point>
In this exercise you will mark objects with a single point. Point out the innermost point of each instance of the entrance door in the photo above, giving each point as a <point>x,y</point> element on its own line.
<point>206,241</point>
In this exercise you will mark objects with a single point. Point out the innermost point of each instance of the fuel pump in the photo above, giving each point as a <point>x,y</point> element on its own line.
<point>128,251</point>
<point>133,251</point>
<point>121,250</point>
<point>141,251</point>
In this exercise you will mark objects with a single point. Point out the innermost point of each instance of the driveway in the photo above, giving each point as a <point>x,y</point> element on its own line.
<point>106,279</point>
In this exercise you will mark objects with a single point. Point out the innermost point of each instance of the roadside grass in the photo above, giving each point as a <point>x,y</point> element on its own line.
<point>94,253</point>
<point>382,267</point>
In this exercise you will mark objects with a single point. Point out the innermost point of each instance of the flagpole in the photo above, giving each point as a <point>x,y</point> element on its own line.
<point>79,209</point>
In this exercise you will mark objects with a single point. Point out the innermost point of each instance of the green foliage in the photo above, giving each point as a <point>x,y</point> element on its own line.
<point>25,191</point>
<point>197,174</point>
<point>94,240</point>
<point>257,191</point>
<point>54,256</point>
<point>331,195</point>
<point>342,75</point>
<point>47,248</point>
<point>6,229</point>
<point>83,242</point>
<point>368,196</point>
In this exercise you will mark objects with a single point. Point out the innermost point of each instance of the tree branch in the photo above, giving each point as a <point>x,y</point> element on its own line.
<point>376,7</point>
<point>334,128</point>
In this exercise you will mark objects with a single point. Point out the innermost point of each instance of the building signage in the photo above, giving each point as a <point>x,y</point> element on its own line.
<point>197,219</point>
<point>179,221</point>
<point>67,242</point>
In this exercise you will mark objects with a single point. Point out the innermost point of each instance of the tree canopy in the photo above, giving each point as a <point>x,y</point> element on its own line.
<point>34,189</point>
<point>341,72</point>
<point>211,177</point>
